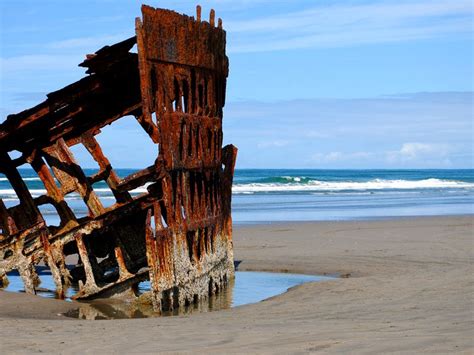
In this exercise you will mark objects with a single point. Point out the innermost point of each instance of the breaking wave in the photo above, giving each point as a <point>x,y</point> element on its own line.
<point>24,179</point>
<point>302,184</point>
<point>10,195</point>
<point>292,185</point>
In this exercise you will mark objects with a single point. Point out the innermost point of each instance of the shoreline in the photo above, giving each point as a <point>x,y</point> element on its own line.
<point>237,225</point>
<point>409,289</point>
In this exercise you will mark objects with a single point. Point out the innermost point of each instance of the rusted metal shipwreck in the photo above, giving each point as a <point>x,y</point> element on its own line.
<point>179,233</point>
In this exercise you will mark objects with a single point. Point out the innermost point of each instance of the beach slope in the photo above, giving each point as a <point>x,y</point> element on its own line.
<point>408,287</point>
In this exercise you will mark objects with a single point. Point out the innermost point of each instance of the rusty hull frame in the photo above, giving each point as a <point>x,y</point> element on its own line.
<point>179,233</point>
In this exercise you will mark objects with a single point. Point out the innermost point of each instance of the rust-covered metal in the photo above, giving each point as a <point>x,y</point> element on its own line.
<point>179,233</point>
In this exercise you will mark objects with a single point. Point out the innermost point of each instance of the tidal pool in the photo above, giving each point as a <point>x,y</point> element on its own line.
<point>247,287</point>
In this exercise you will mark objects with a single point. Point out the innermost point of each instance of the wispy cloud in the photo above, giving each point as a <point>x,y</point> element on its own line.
<point>415,154</point>
<point>94,42</point>
<point>338,157</point>
<point>35,96</point>
<point>354,24</point>
<point>427,152</point>
<point>38,62</point>
<point>411,130</point>
<point>273,144</point>
<point>317,134</point>
<point>414,150</point>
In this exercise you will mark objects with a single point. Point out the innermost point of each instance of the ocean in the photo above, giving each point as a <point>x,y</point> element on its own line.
<point>273,195</point>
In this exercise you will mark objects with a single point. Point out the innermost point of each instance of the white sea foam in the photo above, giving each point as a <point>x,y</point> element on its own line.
<point>293,178</point>
<point>24,179</point>
<point>7,193</point>
<point>376,184</point>
<point>138,190</point>
<point>10,195</point>
<point>312,186</point>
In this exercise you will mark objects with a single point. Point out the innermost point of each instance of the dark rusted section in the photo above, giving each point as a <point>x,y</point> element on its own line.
<point>179,233</point>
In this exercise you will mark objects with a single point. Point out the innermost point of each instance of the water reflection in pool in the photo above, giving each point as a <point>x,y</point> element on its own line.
<point>247,287</point>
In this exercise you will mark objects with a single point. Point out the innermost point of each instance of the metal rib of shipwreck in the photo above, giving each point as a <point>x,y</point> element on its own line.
<point>179,233</point>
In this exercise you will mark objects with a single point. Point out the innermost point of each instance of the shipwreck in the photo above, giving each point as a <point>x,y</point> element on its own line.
<point>177,234</point>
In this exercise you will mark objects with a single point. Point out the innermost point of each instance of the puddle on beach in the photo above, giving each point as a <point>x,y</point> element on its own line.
<point>247,287</point>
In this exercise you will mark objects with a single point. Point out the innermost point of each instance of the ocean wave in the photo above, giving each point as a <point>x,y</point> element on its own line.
<point>376,184</point>
<point>293,185</point>
<point>10,195</point>
<point>107,191</point>
<point>24,179</point>
<point>284,180</point>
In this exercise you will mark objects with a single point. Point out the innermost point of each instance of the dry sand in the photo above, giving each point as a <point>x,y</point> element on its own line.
<point>410,290</point>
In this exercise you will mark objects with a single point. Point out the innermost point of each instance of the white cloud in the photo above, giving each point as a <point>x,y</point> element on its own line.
<point>426,130</point>
<point>38,62</point>
<point>274,144</point>
<point>62,55</point>
<point>347,25</point>
<point>92,43</point>
<point>412,150</point>
<point>339,157</point>
<point>317,134</point>
<point>421,152</point>
<point>410,154</point>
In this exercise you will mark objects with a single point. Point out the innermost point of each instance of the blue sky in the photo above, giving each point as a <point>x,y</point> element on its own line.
<point>315,84</point>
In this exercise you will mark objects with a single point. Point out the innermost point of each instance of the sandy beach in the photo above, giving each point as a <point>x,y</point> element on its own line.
<point>408,287</point>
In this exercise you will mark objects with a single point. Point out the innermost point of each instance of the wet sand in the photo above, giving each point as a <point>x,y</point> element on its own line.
<point>408,287</point>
